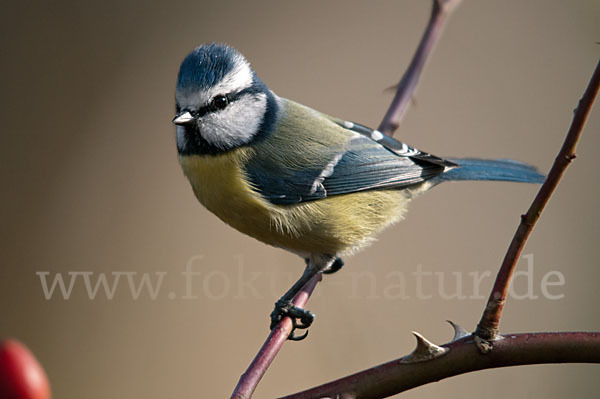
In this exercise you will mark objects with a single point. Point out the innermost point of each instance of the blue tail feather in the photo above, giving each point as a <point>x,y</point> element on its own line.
<point>492,169</point>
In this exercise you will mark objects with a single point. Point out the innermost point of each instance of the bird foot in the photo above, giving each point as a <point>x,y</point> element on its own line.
<point>301,318</point>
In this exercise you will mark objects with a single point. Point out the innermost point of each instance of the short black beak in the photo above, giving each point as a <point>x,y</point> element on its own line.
<point>184,119</point>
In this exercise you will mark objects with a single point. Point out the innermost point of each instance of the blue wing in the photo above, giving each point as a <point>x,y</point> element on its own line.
<point>368,161</point>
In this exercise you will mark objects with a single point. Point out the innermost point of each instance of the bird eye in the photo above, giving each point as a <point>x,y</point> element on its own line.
<point>220,101</point>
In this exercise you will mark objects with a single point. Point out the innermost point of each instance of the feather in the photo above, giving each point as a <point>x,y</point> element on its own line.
<point>332,159</point>
<point>492,169</point>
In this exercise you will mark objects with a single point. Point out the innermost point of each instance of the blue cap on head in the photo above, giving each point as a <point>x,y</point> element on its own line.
<point>206,66</point>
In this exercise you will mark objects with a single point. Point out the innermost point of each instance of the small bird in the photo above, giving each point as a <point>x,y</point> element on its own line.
<point>295,178</point>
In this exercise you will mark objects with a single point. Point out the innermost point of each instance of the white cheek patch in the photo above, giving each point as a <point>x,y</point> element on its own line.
<point>235,125</point>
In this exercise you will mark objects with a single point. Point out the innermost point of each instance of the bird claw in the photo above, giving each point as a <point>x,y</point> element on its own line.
<point>301,318</point>
<point>337,264</point>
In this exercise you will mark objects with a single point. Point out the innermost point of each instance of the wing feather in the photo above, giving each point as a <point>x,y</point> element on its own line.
<point>368,161</point>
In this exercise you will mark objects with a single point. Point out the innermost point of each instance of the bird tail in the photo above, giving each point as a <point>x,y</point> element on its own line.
<point>492,169</point>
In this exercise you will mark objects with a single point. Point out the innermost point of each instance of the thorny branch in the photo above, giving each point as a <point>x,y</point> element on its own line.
<point>487,328</point>
<point>462,356</point>
<point>405,90</point>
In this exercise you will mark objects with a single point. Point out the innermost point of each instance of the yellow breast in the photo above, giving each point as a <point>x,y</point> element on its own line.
<point>333,225</point>
<point>219,184</point>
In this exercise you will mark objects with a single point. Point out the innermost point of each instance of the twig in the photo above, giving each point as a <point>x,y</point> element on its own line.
<point>250,379</point>
<point>440,12</point>
<point>487,328</point>
<point>463,356</point>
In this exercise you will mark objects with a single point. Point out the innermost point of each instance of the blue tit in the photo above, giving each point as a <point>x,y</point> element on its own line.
<point>295,178</point>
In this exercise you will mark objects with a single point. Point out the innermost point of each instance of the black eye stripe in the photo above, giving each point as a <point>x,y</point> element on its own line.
<point>231,97</point>
<point>212,107</point>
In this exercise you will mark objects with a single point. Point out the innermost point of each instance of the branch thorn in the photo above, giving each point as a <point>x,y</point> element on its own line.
<point>425,350</point>
<point>459,332</point>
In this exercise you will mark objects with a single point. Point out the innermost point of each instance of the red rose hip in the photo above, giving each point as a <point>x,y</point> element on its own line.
<point>21,375</point>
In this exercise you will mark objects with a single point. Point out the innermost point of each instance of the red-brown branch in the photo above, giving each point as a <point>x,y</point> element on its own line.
<point>250,379</point>
<point>464,356</point>
<point>488,326</point>
<point>405,90</point>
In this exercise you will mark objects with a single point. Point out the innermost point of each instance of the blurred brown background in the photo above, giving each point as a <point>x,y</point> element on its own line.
<point>91,183</point>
